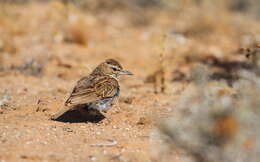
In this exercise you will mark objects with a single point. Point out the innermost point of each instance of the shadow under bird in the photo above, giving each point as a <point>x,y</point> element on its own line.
<point>97,91</point>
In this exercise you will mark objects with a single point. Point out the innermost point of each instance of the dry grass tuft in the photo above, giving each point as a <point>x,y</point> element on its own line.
<point>29,67</point>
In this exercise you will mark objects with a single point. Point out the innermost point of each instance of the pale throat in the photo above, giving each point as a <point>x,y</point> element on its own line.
<point>115,76</point>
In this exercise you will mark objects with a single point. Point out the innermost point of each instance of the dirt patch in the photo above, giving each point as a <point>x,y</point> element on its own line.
<point>38,88</point>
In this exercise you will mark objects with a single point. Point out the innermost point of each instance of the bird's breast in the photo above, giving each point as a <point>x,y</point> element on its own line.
<point>104,104</point>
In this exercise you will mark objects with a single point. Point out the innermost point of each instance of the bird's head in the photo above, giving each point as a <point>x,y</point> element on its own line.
<point>112,68</point>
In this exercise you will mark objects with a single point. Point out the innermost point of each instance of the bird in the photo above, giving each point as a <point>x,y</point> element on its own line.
<point>97,91</point>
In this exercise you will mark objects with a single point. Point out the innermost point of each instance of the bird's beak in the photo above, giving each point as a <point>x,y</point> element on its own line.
<point>125,72</point>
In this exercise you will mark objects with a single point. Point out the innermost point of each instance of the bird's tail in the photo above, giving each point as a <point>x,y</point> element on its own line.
<point>60,113</point>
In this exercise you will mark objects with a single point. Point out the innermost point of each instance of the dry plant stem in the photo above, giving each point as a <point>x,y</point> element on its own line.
<point>162,54</point>
<point>66,3</point>
<point>160,74</point>
<point>112,143</point>
<point>158,80</point>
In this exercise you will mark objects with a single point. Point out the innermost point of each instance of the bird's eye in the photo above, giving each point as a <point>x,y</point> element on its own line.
<point>115,69</point>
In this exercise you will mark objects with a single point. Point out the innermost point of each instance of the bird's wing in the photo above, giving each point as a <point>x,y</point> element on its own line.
<point>90,89</point>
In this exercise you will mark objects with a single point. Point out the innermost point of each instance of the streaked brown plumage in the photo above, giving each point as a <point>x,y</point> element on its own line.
<point>98,90</point>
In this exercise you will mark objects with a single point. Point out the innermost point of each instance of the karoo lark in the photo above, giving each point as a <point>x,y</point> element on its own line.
<point>96,91</point>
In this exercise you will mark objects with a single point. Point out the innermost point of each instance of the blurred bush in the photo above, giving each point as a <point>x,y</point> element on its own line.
<point>214,123</point>
<point>250,6</point>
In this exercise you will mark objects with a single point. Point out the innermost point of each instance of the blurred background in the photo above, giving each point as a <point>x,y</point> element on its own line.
<point>194,95</point>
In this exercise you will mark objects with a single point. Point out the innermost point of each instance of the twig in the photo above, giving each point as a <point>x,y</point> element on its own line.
<point>112,143</point>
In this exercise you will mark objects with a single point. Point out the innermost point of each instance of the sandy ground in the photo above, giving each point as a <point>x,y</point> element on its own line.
<point>27,134</point>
